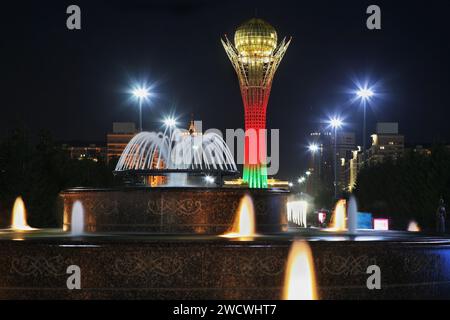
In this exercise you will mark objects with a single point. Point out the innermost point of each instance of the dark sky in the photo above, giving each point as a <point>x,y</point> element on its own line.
<point>74,83</point>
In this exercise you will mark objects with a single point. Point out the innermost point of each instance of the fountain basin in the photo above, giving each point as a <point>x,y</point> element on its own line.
<point>143,266</point>
<point>173,210</point>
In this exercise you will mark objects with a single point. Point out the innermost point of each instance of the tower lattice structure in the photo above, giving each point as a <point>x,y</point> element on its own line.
<point>255,56</point>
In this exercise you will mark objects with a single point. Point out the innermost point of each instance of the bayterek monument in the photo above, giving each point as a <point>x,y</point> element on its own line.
<point>255,56</point>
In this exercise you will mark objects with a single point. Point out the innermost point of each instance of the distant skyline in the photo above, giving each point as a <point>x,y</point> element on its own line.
<point>75,83</point>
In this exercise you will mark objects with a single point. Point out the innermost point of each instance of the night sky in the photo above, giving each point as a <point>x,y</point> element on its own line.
<point>75,83</point>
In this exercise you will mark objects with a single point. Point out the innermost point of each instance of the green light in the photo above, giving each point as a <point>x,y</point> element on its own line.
<point>255,176</point>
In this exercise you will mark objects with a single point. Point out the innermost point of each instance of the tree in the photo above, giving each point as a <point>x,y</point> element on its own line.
<point>406,189</point>
<point>39,172</point>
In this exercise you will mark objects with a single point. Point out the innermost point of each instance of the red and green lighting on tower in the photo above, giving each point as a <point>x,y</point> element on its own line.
<point>255,56</point>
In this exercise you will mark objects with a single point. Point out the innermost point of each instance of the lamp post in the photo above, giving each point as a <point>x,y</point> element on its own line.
<point>169,123</point>
<point>335,123</point>
<point>364,94</point>
<point>301,181</point>
<point>141,94</point>
<point>314,148</point>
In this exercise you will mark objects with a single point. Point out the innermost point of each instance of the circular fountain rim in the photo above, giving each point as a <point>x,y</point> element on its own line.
<point>165,171</point>
<point>242,190</point>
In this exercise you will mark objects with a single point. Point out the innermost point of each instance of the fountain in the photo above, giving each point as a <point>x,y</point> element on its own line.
<point>166,191</point>
<point>297,212</point>
<point>191,242</point>
<point>300,278</point>
<point>169,234</point>
<point>244,222</point>
<point>19,216</point>
<point>177,154</point>
<point>413,226</point>
<point>338,220</point>
<point>77,222</point>
<point>352,215</point>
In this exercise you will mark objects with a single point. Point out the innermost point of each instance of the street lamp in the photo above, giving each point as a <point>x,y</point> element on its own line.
<point>335,123</point>
<point>170,122</point>
<point>141,94</point>
<point>364,94</point>
<point>313,148</point>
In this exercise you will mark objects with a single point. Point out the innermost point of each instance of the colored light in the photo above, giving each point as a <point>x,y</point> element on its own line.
<point>322,216</point>
<point>255,56</point>
<point>381,224</point>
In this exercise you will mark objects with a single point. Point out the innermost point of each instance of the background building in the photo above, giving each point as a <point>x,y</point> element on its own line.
<point>346,145</point>
<point>85,151</point>
<point>354,167</point>
<point>321,164</point>
<point>116,141</point>
<point>386,143</point>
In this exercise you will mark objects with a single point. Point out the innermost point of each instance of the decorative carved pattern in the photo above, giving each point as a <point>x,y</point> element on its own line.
<point>414,263</point>
<point>250,265</point>
<point>173,210</point>
<point>40,266</point>
<point>154,206</point>
<point>132,265</point>
<point>106,207</point>
<point>183,207</point>
<point>345,265</point>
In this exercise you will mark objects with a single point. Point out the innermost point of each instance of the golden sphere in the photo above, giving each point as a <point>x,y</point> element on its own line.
<point>255,38</point>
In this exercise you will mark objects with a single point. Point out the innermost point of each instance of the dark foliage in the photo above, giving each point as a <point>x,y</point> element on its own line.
<point>38,172</point>
<point>408,188</point>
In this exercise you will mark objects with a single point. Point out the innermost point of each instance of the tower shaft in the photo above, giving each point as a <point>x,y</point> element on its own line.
<point>255,101</point>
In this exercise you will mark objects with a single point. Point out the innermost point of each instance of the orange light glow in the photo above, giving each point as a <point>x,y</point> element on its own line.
<point>338,220</point>
<point>244,222</point>
<point>413,226</point>
<point>300,278</point>
<point>19,216</point>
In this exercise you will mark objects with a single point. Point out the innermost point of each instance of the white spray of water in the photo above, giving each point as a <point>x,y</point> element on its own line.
<point>77,223</point>
<point>352,215</point>
<point>296,212</point>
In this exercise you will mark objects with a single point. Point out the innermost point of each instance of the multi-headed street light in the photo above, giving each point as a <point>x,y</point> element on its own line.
<point>364,94</point>
<point>141,93</point>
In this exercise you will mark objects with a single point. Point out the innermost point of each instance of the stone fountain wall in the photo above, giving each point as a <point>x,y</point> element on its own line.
<point>211,268</point>
<point>173,210</point>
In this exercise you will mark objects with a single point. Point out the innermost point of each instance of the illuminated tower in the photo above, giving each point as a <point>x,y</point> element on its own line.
<point>255,56</point>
